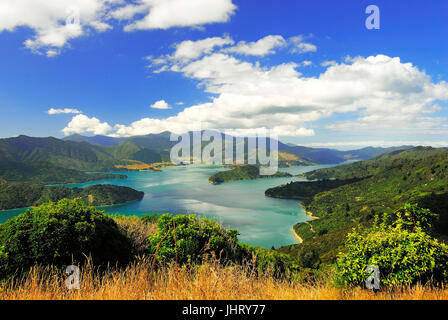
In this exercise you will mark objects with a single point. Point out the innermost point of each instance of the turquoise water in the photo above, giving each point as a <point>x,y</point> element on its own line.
<point>241,205</point>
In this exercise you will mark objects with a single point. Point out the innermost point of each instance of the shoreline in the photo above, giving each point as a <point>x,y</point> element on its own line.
<point>299,239</point>
<point>308,213</point>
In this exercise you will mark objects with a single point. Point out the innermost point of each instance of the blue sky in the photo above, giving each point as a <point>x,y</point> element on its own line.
<point>113,69</point>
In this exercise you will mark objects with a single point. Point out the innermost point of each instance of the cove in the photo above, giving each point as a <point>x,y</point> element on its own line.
<point>241,205</point>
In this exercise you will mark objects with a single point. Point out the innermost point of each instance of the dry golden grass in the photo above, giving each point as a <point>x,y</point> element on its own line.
<point>209,281</point>
<point>138,231</point>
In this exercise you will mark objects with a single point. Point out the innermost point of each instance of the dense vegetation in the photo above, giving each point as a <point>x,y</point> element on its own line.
<point>102,153</point>
<point>244,172</point>
<point>47,173</point>
<point>418,176</point>
<point>60,234</point>
<point>74,155</point>
<point>305,189</point>
<point>189,240</point>
<point>55,233</point>
<point>403,251</point>
<point>26,194</point>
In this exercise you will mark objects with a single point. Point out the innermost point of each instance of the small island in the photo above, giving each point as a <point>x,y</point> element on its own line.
<point>14,195</point>
<point>243,172</point>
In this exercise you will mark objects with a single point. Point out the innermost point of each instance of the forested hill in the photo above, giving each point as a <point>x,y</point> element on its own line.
<point>26,194</point>
<point>244,172</point>
<point>101,153</point>
<point>397,159</point>
<point>292,154</point>
<point>74,155</point>
<point>418,175</point>
<point>47,173</point>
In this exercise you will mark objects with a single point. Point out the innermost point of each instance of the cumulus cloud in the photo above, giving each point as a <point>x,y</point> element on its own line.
<point>53,111</point>
<point>328,63</point>
<point>188,50</point>
<point>300,46</point>
<point>161,104</point>
<point>56,22</point>
<point>174,13</point>
<point>82,123</point>
<point>261,47</point>
<point>380,93</point>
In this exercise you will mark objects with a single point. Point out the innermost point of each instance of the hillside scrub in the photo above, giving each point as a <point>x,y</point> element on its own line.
<point>61,234</point>
<point>26,194</point>
<point>403,251</point>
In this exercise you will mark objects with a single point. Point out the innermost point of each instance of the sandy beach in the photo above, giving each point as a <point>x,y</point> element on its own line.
<point>296,235</point>
<point>308,213</point>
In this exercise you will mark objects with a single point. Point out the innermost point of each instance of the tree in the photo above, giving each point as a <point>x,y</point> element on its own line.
<point>403,251</point>
<point>60,234</point>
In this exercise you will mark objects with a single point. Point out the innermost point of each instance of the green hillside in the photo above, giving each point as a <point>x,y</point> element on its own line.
<point>47,173</point>
<point>161,144</point>
<point>305,189</point>
<point>74,155</point>
<point>130,151</point>
<point>67,154</point>
<point>246,172</point>
<point>26,194</point>
<point>381,185</point>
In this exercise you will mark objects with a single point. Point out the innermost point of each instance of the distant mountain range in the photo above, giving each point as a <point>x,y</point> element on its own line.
<point>101,153</point>
<point>160,143</point>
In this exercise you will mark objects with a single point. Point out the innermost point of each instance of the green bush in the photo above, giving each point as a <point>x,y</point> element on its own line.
<point>404,253</point>
<point>194,238</point>
<point>59,234</point>
<point>197,238</point>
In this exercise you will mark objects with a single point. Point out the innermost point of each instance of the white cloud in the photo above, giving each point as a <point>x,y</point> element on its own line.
<point>53,111</point>
<point>81,123</point>
<point>56,22</point>
<point>306,63</point>
<point>328,63</point>
<point>161,104</point>
<point>380,93</point>
<point>190,50</point>
<point>175,13</point>
<point>261,47</point>
<point>48,19</point>
<point>299,46</point>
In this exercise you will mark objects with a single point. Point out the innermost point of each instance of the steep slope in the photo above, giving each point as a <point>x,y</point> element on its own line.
<point>96,140</point>
<point>382,185</point>
<point>47,173</point>
<point>160,143</point>
<point>67,154</point>
<point>26,194</point>
<point>245,172</point>
<point>130,151</point>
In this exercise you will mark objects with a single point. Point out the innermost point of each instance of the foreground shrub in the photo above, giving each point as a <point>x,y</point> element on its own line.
<point>404,253</point>
<point>199,239</point>
<point>59,234</point>
<point>194,238</point>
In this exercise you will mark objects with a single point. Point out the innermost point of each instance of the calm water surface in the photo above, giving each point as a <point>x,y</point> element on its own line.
<point>261,221</point>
